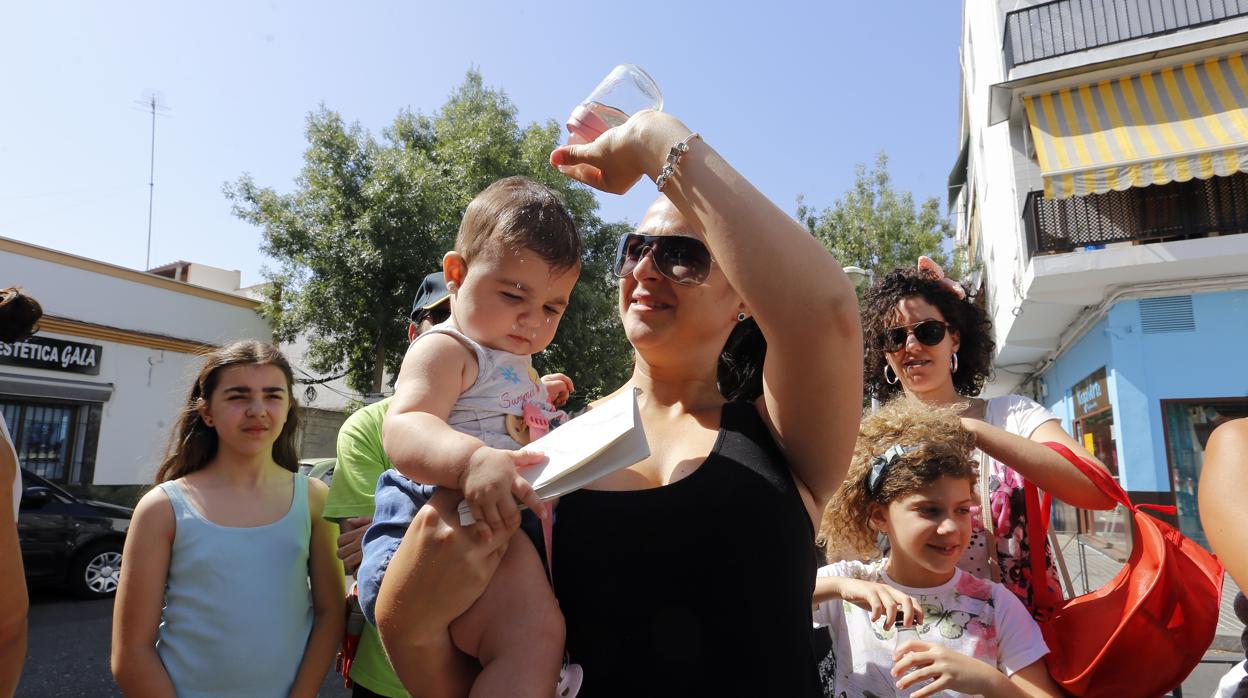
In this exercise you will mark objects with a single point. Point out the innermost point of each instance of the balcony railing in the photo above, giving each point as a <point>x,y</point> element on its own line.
<point>1175,211</point>
<point>1068,26</point>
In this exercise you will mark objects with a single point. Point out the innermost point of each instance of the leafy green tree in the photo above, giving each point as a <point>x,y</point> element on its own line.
<point>370,217</point>
<point>877,228</point>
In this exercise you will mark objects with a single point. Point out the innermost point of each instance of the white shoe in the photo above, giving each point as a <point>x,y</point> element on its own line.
<point>570,678</point>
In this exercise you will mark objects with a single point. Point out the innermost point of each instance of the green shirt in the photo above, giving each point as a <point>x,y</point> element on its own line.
<point>361,460</point>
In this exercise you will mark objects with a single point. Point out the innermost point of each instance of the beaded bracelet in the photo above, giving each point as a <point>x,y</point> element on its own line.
<point>673,156</point>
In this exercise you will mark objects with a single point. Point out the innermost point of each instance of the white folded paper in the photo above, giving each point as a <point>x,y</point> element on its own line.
<point>599,441</point>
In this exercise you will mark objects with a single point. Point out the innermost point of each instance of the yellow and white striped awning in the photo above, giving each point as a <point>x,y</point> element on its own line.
<point>1165,126</point>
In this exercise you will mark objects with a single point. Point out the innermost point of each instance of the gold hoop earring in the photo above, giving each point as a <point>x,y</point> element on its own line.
<point>953,364</point>
<point>887,370</point>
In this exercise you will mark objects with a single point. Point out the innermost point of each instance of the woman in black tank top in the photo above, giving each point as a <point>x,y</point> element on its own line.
<point>691,572</point>
<point>730,556</point>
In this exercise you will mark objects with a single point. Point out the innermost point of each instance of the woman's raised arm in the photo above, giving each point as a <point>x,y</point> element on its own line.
<point>796,291</point>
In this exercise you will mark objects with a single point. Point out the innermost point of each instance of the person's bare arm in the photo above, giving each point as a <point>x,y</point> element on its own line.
<point>948,670</point>
<point>417,439</point>
<point>880,600</point>
<point>140,599</point>
<point>1041,464</point>
<point>1034,681</point>
<point>13,602</point>
<point>438,572</point>
<point>328,611</point>
<point>422,446</point>
<point>1223,482</point>
<point>800,297</point>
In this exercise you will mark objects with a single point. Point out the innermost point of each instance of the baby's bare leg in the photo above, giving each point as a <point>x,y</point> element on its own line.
<point>515,629</point>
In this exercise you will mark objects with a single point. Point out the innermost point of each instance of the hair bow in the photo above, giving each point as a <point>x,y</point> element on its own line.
<point>881,464</point>
<point>932,269</point>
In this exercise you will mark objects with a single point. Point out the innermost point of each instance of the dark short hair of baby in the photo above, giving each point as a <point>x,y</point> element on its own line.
<point>943,448</point>
<point>517,213</point>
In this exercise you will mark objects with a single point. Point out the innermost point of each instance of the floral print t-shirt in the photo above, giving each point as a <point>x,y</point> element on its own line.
<point>1021,416</point>
<point>975,617</point>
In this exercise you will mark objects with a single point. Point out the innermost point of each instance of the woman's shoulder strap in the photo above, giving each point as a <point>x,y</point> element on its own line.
<point>300,504</point>
<point>173,491</point>
<point>301,489</point>
<point>176,495</point>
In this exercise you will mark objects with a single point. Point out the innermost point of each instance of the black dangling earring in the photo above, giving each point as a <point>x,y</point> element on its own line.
<point>891,381</point>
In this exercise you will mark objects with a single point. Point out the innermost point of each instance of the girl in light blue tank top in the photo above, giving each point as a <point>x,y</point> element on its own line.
<point>229,583</point>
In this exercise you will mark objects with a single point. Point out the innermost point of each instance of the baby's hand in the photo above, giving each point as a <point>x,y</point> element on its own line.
<point>918,662</point>
<point>558,388</point>
<point>882,601</point>
<point>492,486</point>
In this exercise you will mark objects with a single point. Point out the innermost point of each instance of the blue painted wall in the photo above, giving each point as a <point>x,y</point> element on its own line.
<point>1142,370</point>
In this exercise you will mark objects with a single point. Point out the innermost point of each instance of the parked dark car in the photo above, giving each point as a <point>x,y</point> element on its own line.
<point>70,541</point>
<point>319,468</point>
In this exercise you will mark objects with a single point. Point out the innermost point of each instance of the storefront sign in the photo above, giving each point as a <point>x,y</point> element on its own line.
<point>53,355</point>
<point>1091,394</point>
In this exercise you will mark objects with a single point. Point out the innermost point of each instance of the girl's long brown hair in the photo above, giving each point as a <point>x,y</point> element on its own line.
<point>193,443</point>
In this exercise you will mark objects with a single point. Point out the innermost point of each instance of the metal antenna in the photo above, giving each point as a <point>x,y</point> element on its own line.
<point>153,100</point>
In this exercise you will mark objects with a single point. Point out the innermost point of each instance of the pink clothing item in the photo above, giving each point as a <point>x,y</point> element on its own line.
<point>1021,416</point>
<point>933,270</point>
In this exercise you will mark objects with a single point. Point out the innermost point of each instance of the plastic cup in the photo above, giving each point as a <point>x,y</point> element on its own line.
<point>626,90</point>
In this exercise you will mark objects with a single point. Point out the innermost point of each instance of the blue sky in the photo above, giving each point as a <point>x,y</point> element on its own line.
<point>793,94</point>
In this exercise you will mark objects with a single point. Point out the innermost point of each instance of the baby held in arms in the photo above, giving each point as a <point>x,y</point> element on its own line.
<point>466,401</point>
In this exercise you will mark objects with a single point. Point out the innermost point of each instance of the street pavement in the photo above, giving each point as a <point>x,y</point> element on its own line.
<point>67,654</point>
<point>67,650</point>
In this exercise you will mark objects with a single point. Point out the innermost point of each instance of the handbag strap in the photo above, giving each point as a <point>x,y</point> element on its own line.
<point>1043,599</point>
<point>1038,518</point>
<point>1106,482</point>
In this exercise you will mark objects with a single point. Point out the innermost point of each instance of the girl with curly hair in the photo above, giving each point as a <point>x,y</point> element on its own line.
<point>912,480</point>
<point>924,337</point>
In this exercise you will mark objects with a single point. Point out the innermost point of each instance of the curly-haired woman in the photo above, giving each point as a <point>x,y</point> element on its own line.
<point>923,336</point>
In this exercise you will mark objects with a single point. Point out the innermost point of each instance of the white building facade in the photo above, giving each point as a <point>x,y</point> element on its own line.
<point>90,400</point>
<point>1102,190</point>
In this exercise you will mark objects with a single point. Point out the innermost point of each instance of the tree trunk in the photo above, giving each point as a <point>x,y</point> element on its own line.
<point>379,368</point>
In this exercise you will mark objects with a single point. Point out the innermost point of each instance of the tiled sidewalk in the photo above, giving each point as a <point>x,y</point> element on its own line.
<point>1100,568</point>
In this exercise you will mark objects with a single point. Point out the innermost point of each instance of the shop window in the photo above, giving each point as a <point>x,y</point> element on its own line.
<point>1094,429</point>
<point>55,440</point>
<point>1188,424</point>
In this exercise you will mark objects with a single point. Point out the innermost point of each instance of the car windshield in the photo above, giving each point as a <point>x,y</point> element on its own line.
<point>30,479</point>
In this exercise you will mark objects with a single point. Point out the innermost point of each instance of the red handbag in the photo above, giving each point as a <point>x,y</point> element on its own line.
<point>1143,632</point>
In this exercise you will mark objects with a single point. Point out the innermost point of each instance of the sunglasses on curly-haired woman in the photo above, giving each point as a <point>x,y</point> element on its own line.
<point>928,332</point>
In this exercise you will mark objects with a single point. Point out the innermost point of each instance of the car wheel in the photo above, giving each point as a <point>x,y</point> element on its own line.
<point>96,570</point>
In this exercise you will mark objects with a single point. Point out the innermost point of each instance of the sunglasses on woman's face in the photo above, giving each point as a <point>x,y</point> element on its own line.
<point>928,332</point>
<point>681,258</point>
